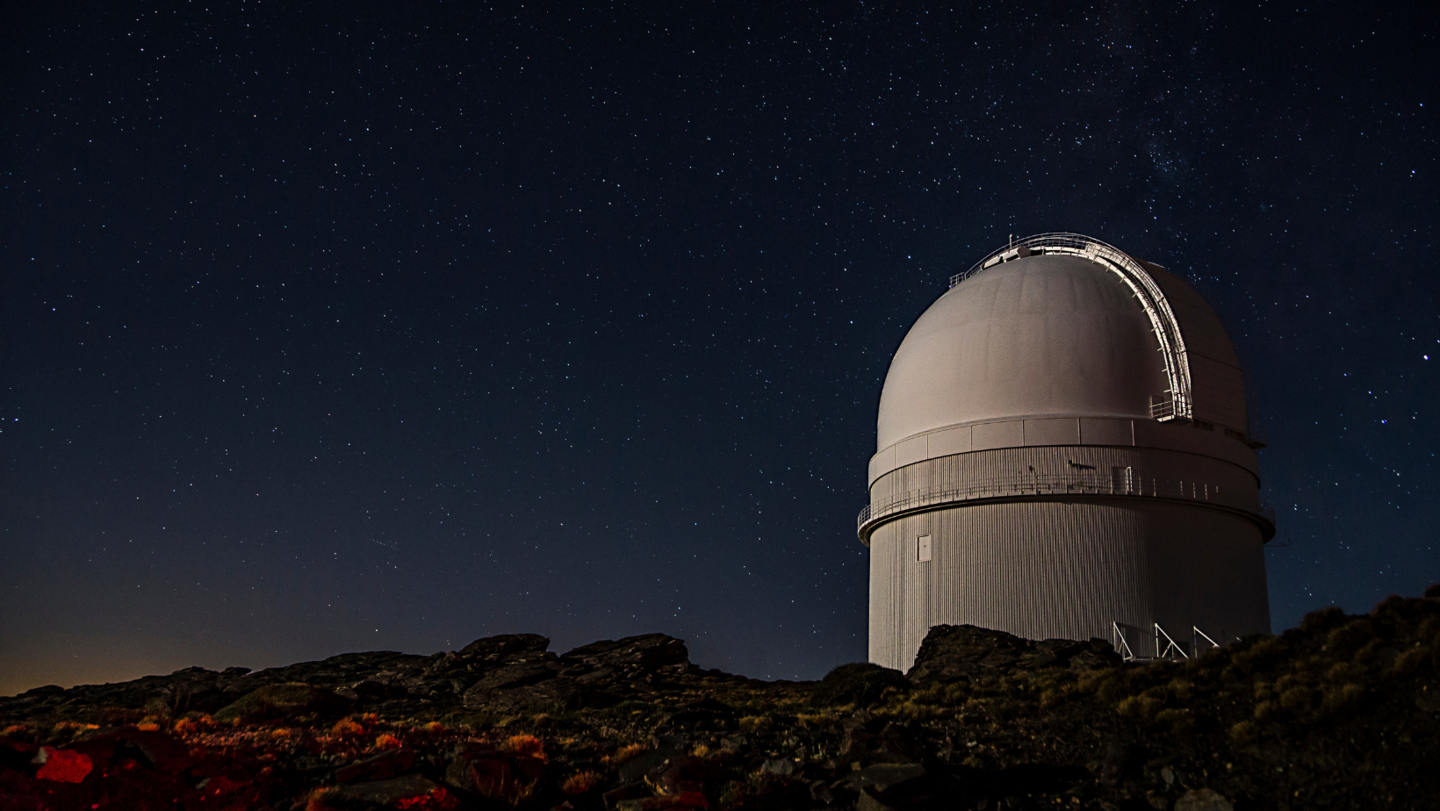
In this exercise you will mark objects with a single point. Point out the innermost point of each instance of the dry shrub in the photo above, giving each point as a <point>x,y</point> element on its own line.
<point>281,734</point>
<point>754,723</point>
<point>1347,638</point>
<point>812,720</point>
<point>1297,699</point>
<point>1178,721</point>
<point>580,783</point>
<point>1260,654</point>
<point>1370,653</point>
<point>1343,672</point>
<point>16,731</point>
<point>1266,710</point>
<point>624,754</point>
<point>1318,621</point>
<point>435,728</point>
<point>323,799</point>
<point>1412,659</point>
<point>700,751</point>
<point>910,711</point>
<point>148,726</point>
<point>1340,698</point>
<point>194,724</point>
<point>1091,682</point>
<point>387,741</point>
<point>1142,707</point>
<point>1181,689</point>
<point>497,782</point>
<point>731,794</point>
<point>1429,630</point>
<point>1244,732</point>
<point>524,746</point>
<point>1052,698</point>
<point>347,726</point>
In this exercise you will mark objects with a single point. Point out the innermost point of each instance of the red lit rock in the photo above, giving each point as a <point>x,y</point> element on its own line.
<point>63,765</point>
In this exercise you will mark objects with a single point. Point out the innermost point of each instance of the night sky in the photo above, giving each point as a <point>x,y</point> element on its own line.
<point>391,326</point>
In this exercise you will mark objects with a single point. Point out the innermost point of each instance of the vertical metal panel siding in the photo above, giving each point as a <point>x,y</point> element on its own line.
<point>1048,569</point>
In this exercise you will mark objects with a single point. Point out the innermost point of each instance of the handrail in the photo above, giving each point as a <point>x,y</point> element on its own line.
<point>1053,484</point>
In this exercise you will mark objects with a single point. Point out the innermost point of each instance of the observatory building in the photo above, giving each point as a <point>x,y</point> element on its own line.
<point>1064,452</point>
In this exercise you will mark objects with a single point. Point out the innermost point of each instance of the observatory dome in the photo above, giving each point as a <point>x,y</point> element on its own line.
<point>1056,335</point>
<point>1041,336</point>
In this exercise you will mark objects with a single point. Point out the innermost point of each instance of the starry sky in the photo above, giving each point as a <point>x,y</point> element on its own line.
<point>389,326</point>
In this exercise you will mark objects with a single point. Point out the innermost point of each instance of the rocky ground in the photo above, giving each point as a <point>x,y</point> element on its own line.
<point>1343,712</point>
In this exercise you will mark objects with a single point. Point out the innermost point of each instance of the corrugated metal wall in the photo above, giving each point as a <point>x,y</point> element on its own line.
<point>1048,569</point>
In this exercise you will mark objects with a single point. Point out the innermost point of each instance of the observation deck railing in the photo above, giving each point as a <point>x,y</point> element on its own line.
<point>1037,244</point>
<point>1124,483</point>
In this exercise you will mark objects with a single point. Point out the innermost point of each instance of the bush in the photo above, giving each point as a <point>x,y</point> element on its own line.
<point>860,683</point>
<point>1341,698</point>
<point>1348,638</point>
<point>1297,699</point>
<point>1322,620</point>
<point>1178,721</point>
<point>1141,708</point>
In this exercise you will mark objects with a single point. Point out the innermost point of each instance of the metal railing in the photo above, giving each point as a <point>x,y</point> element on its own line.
<point>1162,408</point>
<point>1121,482</point>
<point>1147,292</point>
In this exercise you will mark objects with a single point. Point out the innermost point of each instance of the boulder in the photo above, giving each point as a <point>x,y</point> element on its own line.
<point>280,702</point>
<point>628,658</point>
<point>1203,799</point>
<point>387,792</point>
<point>506,646</point>
<point>964,652</point>
<point>379,767</point>
<point>860,683</point>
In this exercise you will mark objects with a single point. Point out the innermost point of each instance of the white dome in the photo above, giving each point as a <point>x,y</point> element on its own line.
<point>1038,336</point>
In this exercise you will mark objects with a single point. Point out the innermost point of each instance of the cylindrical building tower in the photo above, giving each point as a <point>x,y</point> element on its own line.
<point>1064,453</point>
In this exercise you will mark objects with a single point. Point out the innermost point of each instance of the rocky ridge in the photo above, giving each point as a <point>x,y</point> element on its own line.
<point>1341,712</point>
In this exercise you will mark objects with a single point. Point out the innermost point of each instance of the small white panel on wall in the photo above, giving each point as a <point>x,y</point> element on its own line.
<point>922,548</point>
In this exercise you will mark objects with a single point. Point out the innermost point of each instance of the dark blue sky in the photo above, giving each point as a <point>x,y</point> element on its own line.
<point>378,326</point>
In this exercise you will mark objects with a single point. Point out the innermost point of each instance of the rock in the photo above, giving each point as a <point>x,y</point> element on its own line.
<point>627,658</point>
<point>645,763</point>
<point>869,802</point>
<point>780,766</point>
<point>375,690</point>
<point>882,776</point>
<point>276,702</point>
<point>1203,799</point>
<point>506,646</point>
<point>63,765</point>
<point>517,675</point>
<point>550,695</point>
<point>966,652</point>
<point>388,792</point>
<point>820,793</point>
<point>707,713</point>
<point>860,683</point>
<point>614,797</point>
<point>686,774</point>
<point>163,752</point>
<point>1121,761</point>
<point>380,767</point>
